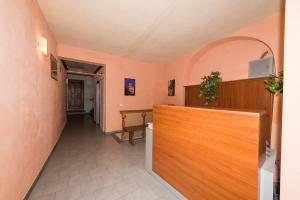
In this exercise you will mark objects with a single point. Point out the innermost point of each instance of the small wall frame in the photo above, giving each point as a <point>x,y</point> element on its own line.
<point>53,67</point>
<point>129,87</point>
<point>171,87</point>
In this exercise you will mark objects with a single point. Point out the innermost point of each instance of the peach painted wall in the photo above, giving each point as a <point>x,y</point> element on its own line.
<point>31,103</point>
<point>230,56</point>
<point>230,53</point>
<point>290,163</point>
<point>149,79</point>
<point>271,31</point>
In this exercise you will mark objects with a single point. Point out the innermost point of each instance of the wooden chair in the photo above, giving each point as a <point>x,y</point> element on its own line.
<point>131,129</point>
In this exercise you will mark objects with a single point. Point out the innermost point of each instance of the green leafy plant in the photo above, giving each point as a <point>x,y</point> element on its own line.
<point>274,83</point>
<point>209,86</point>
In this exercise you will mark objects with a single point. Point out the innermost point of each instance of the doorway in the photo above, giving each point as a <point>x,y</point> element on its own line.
<point>99,103</point>
<point>86,89</point>
<point>75,95</point>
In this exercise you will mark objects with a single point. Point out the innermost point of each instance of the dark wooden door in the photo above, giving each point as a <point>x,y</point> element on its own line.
<point>75,94</point>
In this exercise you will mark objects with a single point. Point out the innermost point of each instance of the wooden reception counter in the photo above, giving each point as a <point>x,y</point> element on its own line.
<point>209,153</point>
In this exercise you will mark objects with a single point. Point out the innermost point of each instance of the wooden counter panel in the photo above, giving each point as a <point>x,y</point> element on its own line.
<point>207,154</point>
<point>238,94</point>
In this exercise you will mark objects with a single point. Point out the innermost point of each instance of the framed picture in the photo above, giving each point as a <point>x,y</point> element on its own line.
<point>171,88</point>
<point>53,64</point>
<point>129,87</point>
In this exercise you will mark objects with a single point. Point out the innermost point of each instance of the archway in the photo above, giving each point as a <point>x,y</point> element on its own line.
<point>229,53</point>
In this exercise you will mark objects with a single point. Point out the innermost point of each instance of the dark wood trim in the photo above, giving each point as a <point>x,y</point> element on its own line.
<point>64,64</point>
<point>135,111</point>
<point>97,70</point>
<point>80,73</point>
<point>82,61</point>
<point>245,79</point>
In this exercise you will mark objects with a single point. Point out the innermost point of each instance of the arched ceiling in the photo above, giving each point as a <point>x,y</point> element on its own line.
<point>154,31</point>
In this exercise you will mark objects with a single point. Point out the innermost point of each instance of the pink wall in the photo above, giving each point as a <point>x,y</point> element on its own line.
<point>31,103</point>
<point>230,56</point>
<point>149,82</point>
<point>290,173</point>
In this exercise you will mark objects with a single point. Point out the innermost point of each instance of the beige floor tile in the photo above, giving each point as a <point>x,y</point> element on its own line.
<point>110,179</point>
<point>70,193</point>
<point>79,178</point>
<point>87,187</point>
<point>86,165</point>
<point>107,193</point>
<point>126,186</point>
<point>55,186</point>
<point>127,197</point>
<point>86,197</point>
<point>44,197</point>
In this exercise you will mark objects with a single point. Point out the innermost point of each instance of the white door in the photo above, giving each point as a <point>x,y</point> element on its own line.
<point>97,109</point>
<point>101,102</point>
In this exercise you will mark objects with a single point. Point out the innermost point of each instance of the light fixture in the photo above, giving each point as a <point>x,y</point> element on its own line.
<point>42,45</point>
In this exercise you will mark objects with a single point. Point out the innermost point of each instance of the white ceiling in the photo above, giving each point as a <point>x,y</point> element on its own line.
<point>149,30</point>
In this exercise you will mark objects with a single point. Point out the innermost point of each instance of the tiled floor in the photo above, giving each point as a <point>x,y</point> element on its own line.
<point>90,166</point>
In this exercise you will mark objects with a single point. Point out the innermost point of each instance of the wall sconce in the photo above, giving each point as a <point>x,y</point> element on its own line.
<point>42,45</point>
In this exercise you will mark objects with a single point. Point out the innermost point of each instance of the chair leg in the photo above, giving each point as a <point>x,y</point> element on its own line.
<point>131,141</point>
<point>122,136</point>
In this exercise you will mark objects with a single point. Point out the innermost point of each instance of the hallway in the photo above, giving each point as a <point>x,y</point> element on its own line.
<point>88,165</point>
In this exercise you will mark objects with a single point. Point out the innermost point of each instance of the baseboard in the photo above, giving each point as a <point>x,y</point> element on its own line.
<point>99,127</point>
<point>111,132</point>
<point>45,164</point>
<point>167,185</point>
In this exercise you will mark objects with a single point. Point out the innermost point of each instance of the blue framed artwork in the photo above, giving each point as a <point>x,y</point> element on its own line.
<point>129,89</point>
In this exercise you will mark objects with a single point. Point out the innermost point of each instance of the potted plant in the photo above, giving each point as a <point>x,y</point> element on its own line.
<point>209,86</point>
<point>274,83</point>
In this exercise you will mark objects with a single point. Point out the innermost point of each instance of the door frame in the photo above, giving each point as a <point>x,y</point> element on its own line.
<point>68,92</point>
<point>101,104</point>
<point>97,103</point>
